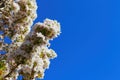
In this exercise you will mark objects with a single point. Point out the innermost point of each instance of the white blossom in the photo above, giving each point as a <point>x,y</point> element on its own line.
<point>28,54</point>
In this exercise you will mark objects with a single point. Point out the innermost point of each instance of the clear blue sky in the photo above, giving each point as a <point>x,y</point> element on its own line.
<point>89,46</point>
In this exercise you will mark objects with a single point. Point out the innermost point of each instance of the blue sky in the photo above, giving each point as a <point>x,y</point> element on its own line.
<point>89,46</point>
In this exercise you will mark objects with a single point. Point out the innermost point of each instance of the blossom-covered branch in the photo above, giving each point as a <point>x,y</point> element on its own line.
<point>28,53</point>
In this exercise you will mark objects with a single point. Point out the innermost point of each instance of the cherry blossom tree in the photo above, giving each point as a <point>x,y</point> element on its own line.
<point>27,51</point>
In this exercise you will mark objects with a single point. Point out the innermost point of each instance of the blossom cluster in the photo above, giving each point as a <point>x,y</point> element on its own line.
<point>28,53</point>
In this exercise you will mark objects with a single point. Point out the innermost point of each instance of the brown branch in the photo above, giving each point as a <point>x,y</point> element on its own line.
<point>8,75</point>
